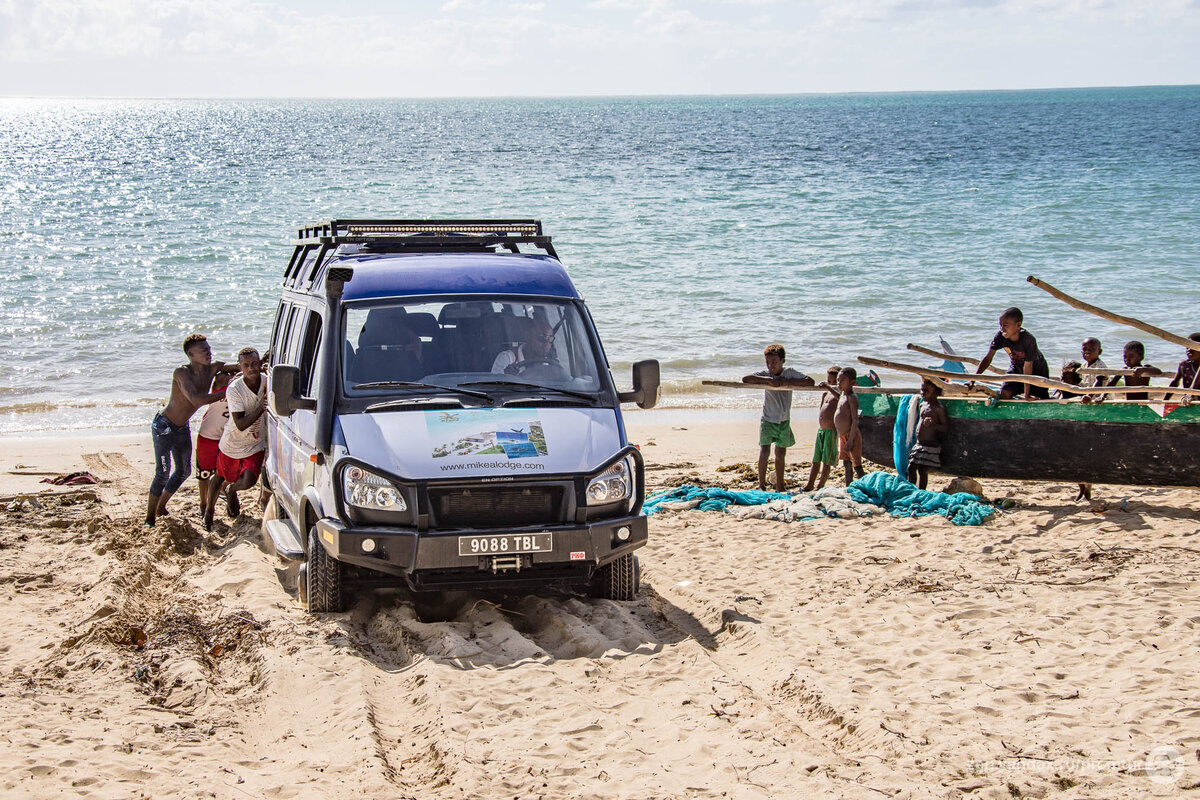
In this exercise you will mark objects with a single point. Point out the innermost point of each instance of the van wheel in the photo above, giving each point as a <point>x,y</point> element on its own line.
<point>617,580</point>
<point>302,583</point>
<point>323,576</point>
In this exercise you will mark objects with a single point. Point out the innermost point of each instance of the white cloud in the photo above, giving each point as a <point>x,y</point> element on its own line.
<point>369,47</point>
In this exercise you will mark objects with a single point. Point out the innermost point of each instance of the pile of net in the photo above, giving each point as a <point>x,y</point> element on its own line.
<point>876,493</point>
<point>754,504</point>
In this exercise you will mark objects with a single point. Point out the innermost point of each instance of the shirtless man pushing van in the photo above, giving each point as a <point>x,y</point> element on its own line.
<point>170,431</point>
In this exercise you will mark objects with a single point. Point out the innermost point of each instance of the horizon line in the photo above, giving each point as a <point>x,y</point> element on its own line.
<point>603,95</point>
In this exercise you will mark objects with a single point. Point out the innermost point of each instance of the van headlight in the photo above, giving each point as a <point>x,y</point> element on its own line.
<point>365,489</point>
<point>612,485</point>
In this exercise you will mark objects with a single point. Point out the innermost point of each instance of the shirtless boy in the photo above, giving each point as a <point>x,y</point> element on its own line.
<point>825,447</point>
<point>775,427</point>
<point>170,431</point>
<point>242,448</point>
<point>1024,358</point>
<point>845,421</point>
<point>927,452</point>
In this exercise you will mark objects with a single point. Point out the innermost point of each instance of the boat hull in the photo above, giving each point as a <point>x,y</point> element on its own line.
<point>1096,443</point>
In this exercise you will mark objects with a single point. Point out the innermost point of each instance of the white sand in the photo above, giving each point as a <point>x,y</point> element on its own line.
<point>1045,654</point>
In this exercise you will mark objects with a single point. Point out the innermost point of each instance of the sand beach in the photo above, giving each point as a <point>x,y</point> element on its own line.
<point>1048,653</point>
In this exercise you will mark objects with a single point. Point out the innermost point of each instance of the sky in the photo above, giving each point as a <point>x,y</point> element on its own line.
<point>471,48</point>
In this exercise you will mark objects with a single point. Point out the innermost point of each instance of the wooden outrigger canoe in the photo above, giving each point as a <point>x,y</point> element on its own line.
<point>1121,441</point>
<point>1110,442</point>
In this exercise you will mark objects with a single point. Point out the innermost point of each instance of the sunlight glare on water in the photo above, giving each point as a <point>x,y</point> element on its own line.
<point>698,229</point>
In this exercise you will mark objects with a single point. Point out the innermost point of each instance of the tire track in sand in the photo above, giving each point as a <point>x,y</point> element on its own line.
<point>540,696</point>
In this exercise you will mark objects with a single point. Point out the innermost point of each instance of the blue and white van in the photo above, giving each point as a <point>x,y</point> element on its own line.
<point>442,415</point>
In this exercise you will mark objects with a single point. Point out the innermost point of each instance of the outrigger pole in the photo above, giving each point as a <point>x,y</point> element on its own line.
<point>857,389</point>
<point>946,386</point>
<point>1111,317</point>
<point>929,351</point>
<point>1035,380</point>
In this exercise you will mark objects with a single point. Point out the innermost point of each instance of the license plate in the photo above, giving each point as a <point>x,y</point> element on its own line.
<point>505,543</point>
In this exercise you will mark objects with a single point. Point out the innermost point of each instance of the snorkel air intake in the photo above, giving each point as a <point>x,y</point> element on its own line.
<point>335,279</point>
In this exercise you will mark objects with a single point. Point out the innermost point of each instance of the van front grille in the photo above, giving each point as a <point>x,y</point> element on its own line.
<point>496,506</point>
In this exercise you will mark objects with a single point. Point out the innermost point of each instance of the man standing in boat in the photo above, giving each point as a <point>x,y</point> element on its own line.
<point>1024,357</point>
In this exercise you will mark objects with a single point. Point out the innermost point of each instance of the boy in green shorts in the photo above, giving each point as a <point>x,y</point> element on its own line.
<point>825,448</point>
<point>775,428</point>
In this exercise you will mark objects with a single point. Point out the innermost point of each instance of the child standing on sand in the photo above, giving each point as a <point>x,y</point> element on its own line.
<point>775,428</point>
<point>845,421</point>
<point>825,447</point>
<point>927,452</point>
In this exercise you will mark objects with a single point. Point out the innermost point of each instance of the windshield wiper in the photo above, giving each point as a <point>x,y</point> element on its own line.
<point>412,385</point>
<point>409,402</point>
<point>589,396</point>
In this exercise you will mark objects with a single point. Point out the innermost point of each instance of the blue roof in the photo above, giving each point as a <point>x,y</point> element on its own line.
<point>411,274</point>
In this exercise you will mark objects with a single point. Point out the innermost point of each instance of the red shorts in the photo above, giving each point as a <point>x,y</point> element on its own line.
<point>206,457</point>
<point>232,468</point>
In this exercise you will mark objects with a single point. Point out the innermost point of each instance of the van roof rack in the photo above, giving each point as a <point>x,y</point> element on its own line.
<point>428,234</point>
<point>409,235</point>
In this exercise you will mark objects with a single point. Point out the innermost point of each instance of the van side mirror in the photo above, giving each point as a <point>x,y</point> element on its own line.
<point>285,391</point>
<point>645,385</point>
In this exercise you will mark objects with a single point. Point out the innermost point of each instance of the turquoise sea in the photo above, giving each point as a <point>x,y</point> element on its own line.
<point>699,229</point>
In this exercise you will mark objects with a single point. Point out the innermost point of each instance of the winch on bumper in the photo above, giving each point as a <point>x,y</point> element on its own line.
<point>472,558</point>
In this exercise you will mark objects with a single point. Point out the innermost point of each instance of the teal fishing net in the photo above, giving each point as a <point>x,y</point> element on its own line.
<point>903,499</point>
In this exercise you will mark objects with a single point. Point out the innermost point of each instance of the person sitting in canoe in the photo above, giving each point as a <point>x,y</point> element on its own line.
<point>1133,354</point>
<point>1188,374</point>
<point>1091,350</point>
<point>1070,375</point>
<point>1024,357</point>
<point>926,453</point>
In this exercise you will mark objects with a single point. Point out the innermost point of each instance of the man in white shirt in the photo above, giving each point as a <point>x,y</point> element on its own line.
<point>535,349</point>
<point>242,448</point>
<point>212,426</point>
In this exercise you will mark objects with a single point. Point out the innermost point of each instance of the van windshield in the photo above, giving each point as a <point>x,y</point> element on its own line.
<point>493,346</point>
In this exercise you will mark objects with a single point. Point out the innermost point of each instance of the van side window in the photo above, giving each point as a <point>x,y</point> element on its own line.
<point>284,350</point>
<point>275,329</point>
<point>309,374</point>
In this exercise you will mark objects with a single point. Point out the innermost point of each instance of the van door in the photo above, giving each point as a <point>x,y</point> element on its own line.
<point>284,443</point>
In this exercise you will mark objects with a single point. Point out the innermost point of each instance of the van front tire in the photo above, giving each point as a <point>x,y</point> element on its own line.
<point>617,580</point>
<point>324,578</point>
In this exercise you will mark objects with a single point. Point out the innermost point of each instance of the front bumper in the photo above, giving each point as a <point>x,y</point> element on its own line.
<point>431,560</point>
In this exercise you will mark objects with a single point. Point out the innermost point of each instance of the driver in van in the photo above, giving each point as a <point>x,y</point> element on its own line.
<point>535,349</point>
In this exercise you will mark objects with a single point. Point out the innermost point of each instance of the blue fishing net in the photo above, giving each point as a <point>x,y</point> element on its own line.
<point>711,498</point>
<point>903,499</point>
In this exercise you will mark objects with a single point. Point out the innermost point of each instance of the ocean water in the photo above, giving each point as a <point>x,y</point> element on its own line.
<point>698,229</point>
